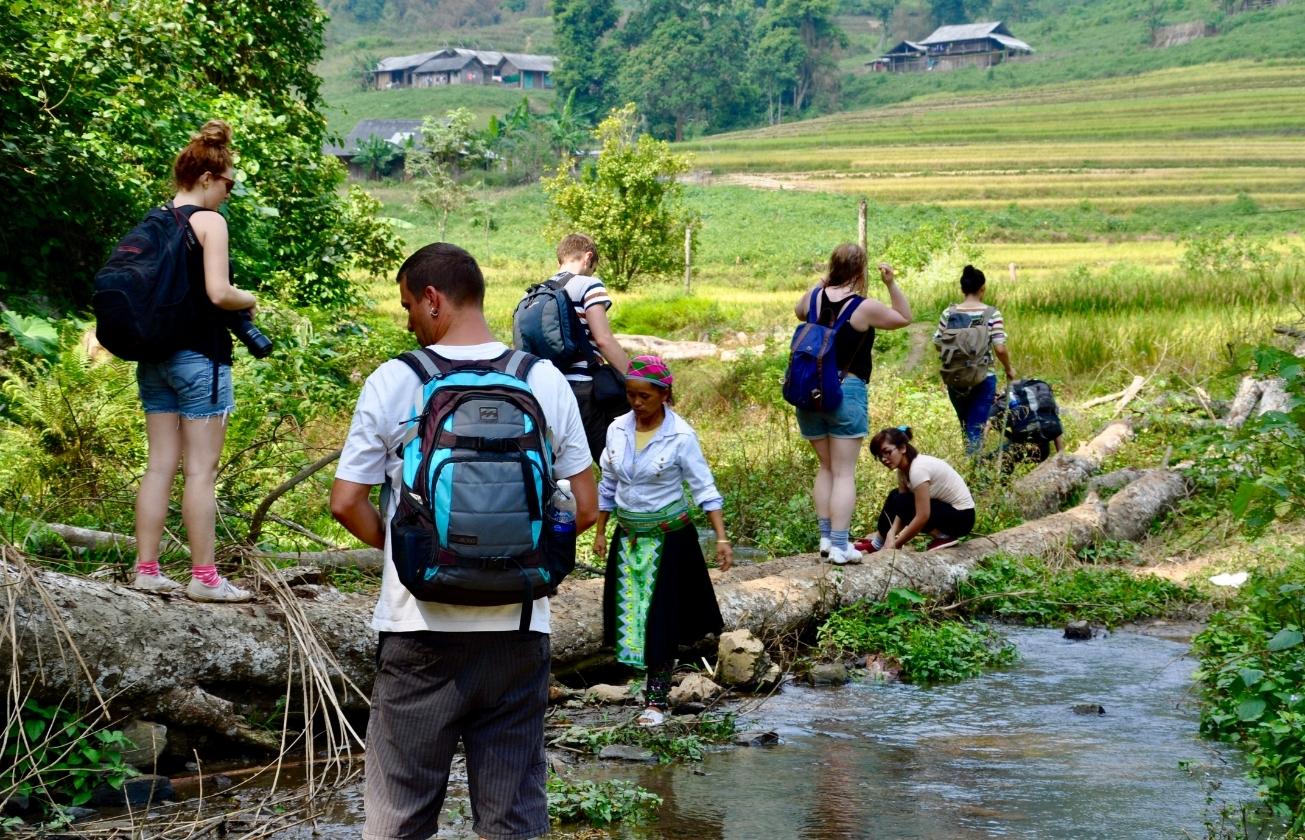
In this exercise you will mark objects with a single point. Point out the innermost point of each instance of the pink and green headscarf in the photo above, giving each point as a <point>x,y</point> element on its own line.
<point>650,369</point>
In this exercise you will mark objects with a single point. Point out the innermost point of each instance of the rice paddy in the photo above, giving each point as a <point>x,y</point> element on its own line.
<point>1185,136</point>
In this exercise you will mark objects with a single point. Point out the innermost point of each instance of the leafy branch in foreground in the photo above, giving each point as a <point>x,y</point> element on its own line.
<point>677,739</point>
<point>601,803</point>
<point>1252,677</point>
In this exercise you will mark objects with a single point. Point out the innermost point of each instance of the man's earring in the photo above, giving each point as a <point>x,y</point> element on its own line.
<point>434,313</point>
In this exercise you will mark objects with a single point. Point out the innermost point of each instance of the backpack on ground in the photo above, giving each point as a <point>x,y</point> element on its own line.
<point>142,302</point>
<point>1031,413</point>
<point>469,527</point>
<point>813,380</point>
<point>545,323</point>
<point>963,350</point>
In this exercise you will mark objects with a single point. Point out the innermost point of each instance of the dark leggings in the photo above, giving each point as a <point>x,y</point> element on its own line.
<point>942,516</point>
<point>657,688</point>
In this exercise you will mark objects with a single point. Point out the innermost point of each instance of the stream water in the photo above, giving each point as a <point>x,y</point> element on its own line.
<point>1002,755</point>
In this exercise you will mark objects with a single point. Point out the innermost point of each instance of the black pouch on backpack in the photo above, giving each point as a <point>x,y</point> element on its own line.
<point>609,387</point>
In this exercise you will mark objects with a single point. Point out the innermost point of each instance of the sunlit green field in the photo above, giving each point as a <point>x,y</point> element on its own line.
<point>1186,136</point>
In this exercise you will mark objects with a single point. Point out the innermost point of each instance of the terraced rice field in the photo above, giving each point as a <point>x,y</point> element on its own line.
<point>1186,136</point>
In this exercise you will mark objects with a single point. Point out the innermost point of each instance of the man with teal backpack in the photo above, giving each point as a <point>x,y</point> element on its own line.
<point>470,441</point>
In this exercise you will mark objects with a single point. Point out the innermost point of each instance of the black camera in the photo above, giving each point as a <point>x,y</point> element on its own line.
<point>242,327</point>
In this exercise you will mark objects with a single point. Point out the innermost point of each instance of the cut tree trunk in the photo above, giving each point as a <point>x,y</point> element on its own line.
<point>204,665</point>
<point>1051,484</point>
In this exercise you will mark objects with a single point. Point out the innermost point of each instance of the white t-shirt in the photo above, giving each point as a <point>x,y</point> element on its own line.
<point>390,397</point>
<point>945,484</point>
<point>585,291</point>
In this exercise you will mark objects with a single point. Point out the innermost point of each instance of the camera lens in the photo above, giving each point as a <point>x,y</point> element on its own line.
<point>242,327</point>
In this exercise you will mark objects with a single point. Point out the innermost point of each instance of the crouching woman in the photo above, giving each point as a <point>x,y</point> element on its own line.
<point>931,497</point>
<point>657,594</point>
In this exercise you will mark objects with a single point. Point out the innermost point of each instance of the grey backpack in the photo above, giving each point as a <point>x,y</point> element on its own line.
<point>469,525</point>
<point>545,323</point>
<point>963,349</point>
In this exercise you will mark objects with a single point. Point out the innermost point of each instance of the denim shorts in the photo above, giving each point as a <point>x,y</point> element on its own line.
<point>849,420</point>
<point>183,384</point>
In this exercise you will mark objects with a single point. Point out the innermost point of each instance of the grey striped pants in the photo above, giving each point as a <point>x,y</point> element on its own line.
<point>489,690</point>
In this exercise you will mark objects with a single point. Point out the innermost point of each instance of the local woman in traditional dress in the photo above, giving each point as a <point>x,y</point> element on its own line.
<point>657,595</point>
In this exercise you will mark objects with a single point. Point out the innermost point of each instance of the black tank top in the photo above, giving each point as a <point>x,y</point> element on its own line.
<point>849,343</point>
<point>210,337</point>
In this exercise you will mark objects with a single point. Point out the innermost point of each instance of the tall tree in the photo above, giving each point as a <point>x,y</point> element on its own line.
<point>687,64</point>
<point>949,12</point>
<point>587,60</point>
<point>812,21</point>
<point>629,201</point>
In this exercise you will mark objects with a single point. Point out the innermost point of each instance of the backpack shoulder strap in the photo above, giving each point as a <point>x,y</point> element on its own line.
<point>519,364</point>
<point>813,306</point>
<point>559,280</point>
<point>425,363</point>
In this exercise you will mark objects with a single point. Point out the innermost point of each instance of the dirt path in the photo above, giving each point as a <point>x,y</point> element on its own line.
<point>920,333</point>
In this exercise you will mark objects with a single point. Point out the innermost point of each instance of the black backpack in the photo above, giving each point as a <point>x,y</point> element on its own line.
<point>470,525</point>
<point>1031,413</point>
<point>144,309</point>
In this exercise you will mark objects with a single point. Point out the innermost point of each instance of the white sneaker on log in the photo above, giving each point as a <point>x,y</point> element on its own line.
<point>155,583</point>
<point>825,545</point>
<point>224,592</point>
<point>844,556</point>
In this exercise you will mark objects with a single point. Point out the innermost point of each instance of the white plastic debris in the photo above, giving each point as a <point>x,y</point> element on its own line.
<point>1229,579</point>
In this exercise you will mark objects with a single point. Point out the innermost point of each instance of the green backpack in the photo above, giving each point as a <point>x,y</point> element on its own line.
<point>963,349</point>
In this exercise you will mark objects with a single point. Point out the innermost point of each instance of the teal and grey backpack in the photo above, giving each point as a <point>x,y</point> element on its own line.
<point>469,526</point>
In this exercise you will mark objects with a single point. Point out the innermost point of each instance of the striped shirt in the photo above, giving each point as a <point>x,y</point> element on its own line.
<point>954,317</point>
<point>585,291</point>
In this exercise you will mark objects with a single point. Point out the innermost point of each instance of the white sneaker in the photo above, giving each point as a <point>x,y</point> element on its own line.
<point>651,716</point>
<point>224,592</point>
<point>844,556</point>
<point>824,546</point>
<point>155,583</point>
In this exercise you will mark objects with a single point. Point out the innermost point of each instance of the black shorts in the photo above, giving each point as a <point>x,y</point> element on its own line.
<point>487,689</point>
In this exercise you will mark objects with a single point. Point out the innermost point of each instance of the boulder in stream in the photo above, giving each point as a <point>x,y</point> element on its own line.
<point>609,695</point>
<point>694,688</point>
<point>829,673</point>
<point>741,659</point>
<point>1089,709</point>
<point>140,790</point>
<point>1079,631</point>
<point>627,752</point>
<point>149,740</point>
<point>756,738</point>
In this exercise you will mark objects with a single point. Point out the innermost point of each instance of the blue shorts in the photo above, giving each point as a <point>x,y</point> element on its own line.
<point>850,420</point>
<point>184,385</point>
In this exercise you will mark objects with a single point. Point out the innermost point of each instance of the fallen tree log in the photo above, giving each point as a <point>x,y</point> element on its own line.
<point>1052,482</point>
<point>207,665</point>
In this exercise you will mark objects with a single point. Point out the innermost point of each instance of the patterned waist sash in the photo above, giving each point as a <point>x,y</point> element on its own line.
<point>637,524</point>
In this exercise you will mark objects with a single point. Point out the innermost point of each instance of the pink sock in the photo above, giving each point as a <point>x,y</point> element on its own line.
<point>207,575</point>
<point>147,567</point>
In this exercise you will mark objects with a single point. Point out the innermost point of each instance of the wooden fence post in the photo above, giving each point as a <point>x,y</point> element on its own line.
<point>688,260</point>
<point>1014,272</point>
<point>860,225</point>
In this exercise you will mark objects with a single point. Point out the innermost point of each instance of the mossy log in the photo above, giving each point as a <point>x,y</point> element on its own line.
<point>204,665</point>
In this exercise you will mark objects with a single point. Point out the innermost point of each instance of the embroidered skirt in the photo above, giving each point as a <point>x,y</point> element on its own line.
<point>657,594</point>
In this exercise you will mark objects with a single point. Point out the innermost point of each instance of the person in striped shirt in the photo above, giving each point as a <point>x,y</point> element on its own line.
<point>974,407</point>
<point>577,256</point>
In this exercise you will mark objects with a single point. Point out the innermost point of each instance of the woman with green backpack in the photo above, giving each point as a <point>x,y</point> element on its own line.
<point>969,334</point>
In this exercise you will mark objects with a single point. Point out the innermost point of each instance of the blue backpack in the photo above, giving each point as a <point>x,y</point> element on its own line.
<point>813,380</point>
<point>477,471</point>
